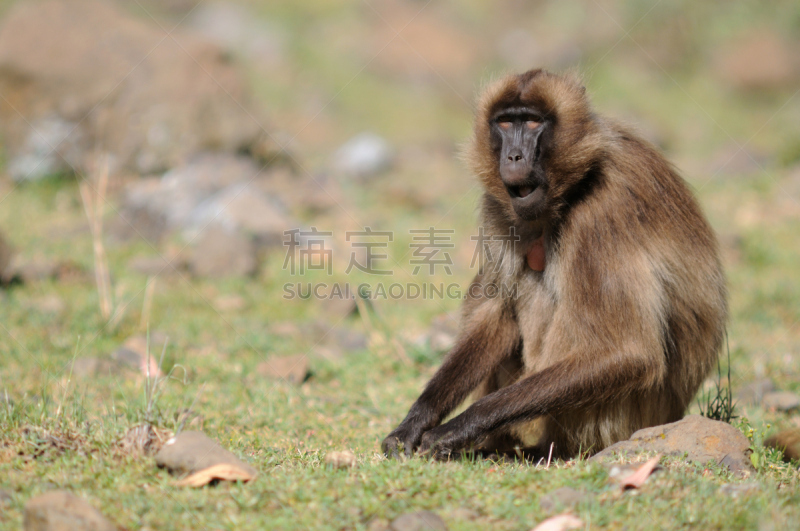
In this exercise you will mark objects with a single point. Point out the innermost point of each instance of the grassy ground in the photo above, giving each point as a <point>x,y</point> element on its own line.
<point>66,433</point>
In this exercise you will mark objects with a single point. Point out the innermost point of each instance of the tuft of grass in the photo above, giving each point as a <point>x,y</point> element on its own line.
<point>717,404</point>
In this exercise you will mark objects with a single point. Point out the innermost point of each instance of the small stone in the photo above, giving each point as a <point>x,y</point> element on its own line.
<point>245,209</point>
<point>378,524</point>
<point>739,490</point>
<point>329,352</point>
<point>343,459</point>
<point>781,401</point>
<point>561,522</point>
<point>193,451</point>
<point>441,341</point>
<point>701,438</point>
<point>222,253</point>
<point>230,303</point>
<point>349,340</point>
<point>135,355</point>
<point>5,498</point>
<point>363,156</point>
<point>293,369</point>
<point>561,498</point>
<point>286,329</point>
<point>91,367</point>
<point>59,510</point>
<point>419,521</point>
<point>446,322</point>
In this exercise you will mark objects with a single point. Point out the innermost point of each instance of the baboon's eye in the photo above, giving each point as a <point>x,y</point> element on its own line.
<point>532,124</point>
<point>504,125</point>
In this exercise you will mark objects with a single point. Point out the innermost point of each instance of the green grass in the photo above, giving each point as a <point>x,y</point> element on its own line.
<point>67,434</point>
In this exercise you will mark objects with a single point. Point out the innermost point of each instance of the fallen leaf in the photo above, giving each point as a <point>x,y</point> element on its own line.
<point>640,475</point>
<point>562,522</point>
<point>223,471</point>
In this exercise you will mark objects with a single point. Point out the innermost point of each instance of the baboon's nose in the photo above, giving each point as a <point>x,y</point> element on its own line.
<point>515,155</point>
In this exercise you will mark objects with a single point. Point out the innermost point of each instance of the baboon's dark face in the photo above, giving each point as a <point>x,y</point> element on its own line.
<point>517,134</point>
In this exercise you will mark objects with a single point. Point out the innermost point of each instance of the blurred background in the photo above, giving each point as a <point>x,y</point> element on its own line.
<point>155,151</point>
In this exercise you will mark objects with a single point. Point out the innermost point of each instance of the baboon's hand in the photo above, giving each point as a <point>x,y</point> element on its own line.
<point>405,438</point>
<point>446,440</point>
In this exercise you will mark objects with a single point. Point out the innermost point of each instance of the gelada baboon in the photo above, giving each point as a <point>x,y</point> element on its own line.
<point>620,303</point>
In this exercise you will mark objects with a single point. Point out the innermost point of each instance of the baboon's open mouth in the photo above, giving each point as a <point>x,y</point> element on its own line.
<point>520,192</point>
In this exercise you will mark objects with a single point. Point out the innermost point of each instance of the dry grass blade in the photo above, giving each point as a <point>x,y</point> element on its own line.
<point>223,471</point>
<point>93,206</point>
<point>147,303</point>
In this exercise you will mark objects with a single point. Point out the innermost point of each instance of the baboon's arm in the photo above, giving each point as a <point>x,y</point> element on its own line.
<point>489,336</point>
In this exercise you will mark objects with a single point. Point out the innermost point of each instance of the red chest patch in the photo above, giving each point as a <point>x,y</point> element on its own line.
<point>536,257</point>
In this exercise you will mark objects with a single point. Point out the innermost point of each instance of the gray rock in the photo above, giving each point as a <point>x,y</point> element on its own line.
<point>221,191</point>
<point>63,511</point>
<point>85,75</point>
<point>235,29</point>
<point>703,440</point>
<point>243,208</point>
<point>419,521</point>
<point>350,339</point>
<point>222,253</point>
<point>5,498</point>
<point>363,156</point>
<point>752,393</point>
<point>192,451</point>
<point>154,206</point>
<point>781,401</point>
<point>561,498</point>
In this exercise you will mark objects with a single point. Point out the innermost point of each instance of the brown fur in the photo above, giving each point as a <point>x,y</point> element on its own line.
<point>788,442</point>
<point>622,326</point>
